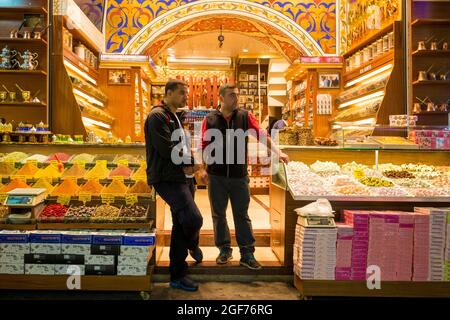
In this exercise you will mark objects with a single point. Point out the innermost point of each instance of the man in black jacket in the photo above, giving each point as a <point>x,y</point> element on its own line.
<point>168,164</point>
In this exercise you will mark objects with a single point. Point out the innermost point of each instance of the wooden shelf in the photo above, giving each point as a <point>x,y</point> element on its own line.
<point>86,92</point>
<point>431,113</point>
<point>103,226</point>
<point>430,22</point>
<point>375,36</point>
<point>23,104</point>
<point>18,40</point>
<point>10,226</point>
<point>8,10</point>
<point>88,283</point>
<point>72,57</point>
<point>432,82</point>
<point>29,72</point>
<point>374,64</point>
<point>332,288</point>
<point>431,53</point>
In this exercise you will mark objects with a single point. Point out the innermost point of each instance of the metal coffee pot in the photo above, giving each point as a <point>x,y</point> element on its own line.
<point>29,60</point>
<point>27,34</point>
<point>445,46</point>
<point>434,45</point>
<point>417,108</point>
<point>423,76</point>
<point>444,76</point>
<point>431,106</point>
<point>6,56</point>
<point>421,45</point>
<point>14,33</point>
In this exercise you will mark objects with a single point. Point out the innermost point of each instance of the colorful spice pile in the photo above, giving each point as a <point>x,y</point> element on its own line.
<point>100,171</point>
<point>53,212</point>
<point>51,172</point>
<point>115,187</point>
<point>28,170</point>
<point>60,156</point>
<point>3,212</point>
<point>35,157</point>
<point>403,174</point>
<point>15,157</point>
<point>121,171</point>
<point>7,169</point>
<point>140,187</point>
<point>107,157</point>
<point>132,214</point>
<point>130,158</point>
<point>92,186</point>
<point>376,182</point>
<point>80,213</point>
<point>105,213</point>
<point>86,157</point>
<point>76,171</point>
<point>14,184</point>
<point>45,184</point>
<point>68,187</point>
<point>141,172</point>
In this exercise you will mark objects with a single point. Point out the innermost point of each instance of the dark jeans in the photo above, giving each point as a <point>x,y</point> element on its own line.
<point>186,223</point>
<point>220,190</point>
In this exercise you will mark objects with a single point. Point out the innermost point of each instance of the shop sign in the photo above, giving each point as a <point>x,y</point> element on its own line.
<point>63,199</point>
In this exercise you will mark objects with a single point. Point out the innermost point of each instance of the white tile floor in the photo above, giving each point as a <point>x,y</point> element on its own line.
<point>258,214</point>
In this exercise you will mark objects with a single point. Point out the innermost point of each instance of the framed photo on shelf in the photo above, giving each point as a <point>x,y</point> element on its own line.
<point>263,92</point>
<point>253,92</point>
<point>243,85</point>
<point>249,105</point>
<point>262,77</point>
<point>242,99</point>
<point>243,92</point>
<point>250,99</point>
<point>257,98</point>
<point>330,80</point>
<point>241,105</point>
<point>243,77</point>
<point>253,85</point>
<point>253,77</point>
<point>119,77</point>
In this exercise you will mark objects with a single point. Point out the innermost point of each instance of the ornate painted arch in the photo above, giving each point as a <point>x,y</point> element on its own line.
<point>239,8</point>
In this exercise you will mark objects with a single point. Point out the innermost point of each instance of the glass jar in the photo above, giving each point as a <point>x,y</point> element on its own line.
<point>357,59</point>
<point>379,46</point>
<point>386,43</point>
<point>391,40</point>
<point>366,54</point>
<point>374,50</point>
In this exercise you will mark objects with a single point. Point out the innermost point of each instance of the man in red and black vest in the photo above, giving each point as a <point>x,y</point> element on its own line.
<point>226,157</point>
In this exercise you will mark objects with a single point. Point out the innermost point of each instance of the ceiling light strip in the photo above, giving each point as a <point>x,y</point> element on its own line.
<point>369,75</point>
<point>362,99</point>
<point>79,72</point>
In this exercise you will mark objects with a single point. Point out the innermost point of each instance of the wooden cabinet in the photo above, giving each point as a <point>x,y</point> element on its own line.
<point>29,16</point>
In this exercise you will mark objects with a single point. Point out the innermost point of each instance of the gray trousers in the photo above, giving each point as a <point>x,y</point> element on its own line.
<point>220,190</point>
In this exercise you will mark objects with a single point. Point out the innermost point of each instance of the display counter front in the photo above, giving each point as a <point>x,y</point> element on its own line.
<point>355,180</point>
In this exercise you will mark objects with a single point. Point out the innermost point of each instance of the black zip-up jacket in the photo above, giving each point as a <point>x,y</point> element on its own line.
<point>159,126</point>
<point>238,120</point>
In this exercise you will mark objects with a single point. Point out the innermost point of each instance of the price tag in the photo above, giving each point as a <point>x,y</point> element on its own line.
<point>64,200</point>
<point>108,198</point>
<point>19,177</point>
<point>54,162</point>
<point>84,197</point>
<point>140,178</point>
<point>81,163</point>
<point>3,197</point>
<point>131,199</point>
<point>118,178</point>
<point>101,162</point>
<point>123,162</point>
<point>33,162</point>
<point>358,174</point>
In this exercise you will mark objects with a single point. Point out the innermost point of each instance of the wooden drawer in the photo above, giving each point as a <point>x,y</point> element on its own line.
<point>275,234</point>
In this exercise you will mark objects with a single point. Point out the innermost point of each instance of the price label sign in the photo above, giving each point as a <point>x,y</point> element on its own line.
<point>108,198</point>
<point>140,178</point>
<point>84,197</point>
<point>64,200</point>
<point>33,162</point>
<point>123,162</point>
<point>131,199</point>
<point>54,162</point>
<point>20,177</point>
<point>81,163</point>
<point>3,197</point>
<point>359,174</point>
<point>118,178</point>
<point>101,162</point>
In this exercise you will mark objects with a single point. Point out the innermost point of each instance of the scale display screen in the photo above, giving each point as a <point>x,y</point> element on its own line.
<point>19,200</point>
